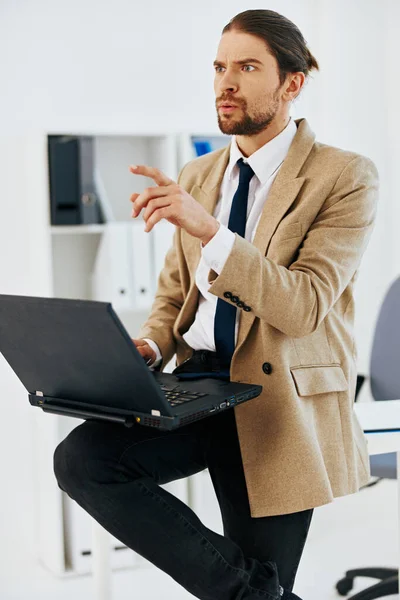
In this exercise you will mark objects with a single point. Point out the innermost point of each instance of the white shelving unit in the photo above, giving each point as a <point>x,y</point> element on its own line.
<point>77,229</point>
<point>64,530</point>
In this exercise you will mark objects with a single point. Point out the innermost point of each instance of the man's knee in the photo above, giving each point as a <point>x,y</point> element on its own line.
<point>77,459</point>
<point>66,463</point>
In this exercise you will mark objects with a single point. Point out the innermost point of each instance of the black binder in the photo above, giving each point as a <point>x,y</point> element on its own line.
<point>73,196</point>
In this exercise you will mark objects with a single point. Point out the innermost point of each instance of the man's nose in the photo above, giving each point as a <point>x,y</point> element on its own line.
<point>228,81</point>
<point>228,85</point>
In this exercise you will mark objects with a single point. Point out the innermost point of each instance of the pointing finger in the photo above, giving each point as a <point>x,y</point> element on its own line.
<point>158,176</point>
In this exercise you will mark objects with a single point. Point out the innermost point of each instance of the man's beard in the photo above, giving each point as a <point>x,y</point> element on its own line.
<point>248,125</point>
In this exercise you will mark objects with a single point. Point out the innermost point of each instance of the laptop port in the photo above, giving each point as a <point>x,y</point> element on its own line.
<point>222,405</point>
<point>213,409</point>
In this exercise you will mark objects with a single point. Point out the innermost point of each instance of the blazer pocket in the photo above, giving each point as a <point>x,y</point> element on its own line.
<point>288,231</point>
<point>319,379</point>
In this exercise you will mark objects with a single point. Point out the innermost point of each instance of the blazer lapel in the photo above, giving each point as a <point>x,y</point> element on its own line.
<point>285,187</point>
<point>282,194</point>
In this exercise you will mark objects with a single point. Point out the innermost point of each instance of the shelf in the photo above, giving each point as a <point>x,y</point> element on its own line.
<point>74,229</point>
<point>95,228</point>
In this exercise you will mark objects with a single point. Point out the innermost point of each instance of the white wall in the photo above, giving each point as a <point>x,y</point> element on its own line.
<point>133,66</point>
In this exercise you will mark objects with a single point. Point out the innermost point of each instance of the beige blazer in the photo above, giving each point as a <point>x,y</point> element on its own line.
<point>300,440</point>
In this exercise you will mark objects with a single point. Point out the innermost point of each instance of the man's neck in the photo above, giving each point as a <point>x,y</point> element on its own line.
<point>250,144</point>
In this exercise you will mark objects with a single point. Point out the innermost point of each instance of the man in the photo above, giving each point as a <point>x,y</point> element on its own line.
<point>275,225</point>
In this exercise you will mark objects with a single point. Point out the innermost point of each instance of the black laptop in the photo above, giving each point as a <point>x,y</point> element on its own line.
<point>75,358</point>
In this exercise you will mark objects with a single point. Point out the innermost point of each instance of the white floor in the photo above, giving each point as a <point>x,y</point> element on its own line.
<point>357,530</point>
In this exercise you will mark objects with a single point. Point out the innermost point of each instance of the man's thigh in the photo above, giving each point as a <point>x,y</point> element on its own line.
<point>280,538</point>
<point>102,451</point>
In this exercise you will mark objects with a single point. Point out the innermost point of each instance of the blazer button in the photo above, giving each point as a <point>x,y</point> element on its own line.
<point>227,294</point>
<point>235,299</point>
<point>267,368</point>
<point>247,308</point>
<point>240,304</point>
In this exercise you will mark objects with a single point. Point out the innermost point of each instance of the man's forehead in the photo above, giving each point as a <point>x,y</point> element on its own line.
<point>238,47</point>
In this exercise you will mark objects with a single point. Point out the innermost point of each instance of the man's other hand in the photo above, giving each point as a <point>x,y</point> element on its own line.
<point>144,349</point>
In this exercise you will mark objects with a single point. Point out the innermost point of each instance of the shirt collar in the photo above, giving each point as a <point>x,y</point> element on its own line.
<point>267,158</point>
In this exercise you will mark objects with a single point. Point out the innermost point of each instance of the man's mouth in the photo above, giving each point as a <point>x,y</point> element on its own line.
<point>227,107</point>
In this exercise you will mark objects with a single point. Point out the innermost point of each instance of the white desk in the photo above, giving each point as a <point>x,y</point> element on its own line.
<point>371,415</point>
<point>382,415</point>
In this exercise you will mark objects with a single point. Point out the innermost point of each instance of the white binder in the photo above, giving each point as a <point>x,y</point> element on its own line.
<point>142,265</point>
<point>163,238</point>
<point>112,273</point>
<point>122,271</point>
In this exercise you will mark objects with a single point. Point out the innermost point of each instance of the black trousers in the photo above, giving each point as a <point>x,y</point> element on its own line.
<point>114,473</point>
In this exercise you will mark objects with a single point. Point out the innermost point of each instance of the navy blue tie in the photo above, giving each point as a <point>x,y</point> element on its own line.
<point>225,314</point>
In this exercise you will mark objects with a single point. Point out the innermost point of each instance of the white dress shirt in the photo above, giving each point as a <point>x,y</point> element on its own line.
<point>265,162</point>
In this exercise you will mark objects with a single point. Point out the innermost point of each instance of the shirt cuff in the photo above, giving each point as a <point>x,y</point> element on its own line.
<point>217,250</point>
<point>156,349</point>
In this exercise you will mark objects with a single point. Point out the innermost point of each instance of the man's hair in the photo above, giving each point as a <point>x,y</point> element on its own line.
<point>283,39</point>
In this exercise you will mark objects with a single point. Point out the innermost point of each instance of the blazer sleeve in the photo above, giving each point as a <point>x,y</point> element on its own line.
<point>295,300</point>
<point>167,303</point>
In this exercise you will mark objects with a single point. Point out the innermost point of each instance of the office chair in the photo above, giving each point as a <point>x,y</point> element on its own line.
<point>385,385</point>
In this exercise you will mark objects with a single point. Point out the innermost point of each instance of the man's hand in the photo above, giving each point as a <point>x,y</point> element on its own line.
<point>144,350</point>
<point>171,202</point>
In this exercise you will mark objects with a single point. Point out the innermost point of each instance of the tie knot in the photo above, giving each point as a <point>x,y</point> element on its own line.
<point>246,172</point>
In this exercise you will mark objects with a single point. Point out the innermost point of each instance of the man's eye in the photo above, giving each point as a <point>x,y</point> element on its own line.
<point>217,71</point>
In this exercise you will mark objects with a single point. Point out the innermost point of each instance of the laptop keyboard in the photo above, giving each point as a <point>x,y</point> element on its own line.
<point>175,394</point>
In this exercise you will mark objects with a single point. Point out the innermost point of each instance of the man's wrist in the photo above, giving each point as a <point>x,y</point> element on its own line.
<point>208,237</point>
